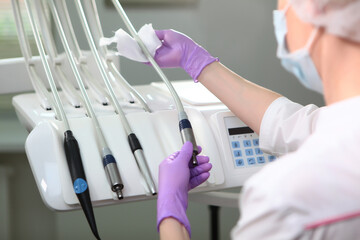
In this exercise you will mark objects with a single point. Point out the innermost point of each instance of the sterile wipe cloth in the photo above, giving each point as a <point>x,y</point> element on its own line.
<point>128,46</point>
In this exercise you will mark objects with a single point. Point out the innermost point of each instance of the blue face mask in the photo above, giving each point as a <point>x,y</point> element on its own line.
<point>299,62</point>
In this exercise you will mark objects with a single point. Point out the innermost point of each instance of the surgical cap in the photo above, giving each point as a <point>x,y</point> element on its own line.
<point>337,17</point>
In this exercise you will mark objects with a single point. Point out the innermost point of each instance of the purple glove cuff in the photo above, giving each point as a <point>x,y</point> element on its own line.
<point>172,207</point>
<point>197,61</point>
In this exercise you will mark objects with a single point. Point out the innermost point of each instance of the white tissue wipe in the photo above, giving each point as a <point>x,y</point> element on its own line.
<point>129,48</point>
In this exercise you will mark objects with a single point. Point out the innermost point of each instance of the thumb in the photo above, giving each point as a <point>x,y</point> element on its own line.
<point>160,34</point>
<point>186,152</point>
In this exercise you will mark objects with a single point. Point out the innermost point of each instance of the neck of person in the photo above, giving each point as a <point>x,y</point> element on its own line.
<point>339,68</point>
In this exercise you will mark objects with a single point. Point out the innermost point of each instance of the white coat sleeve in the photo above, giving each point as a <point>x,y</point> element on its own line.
<point>286,125</point>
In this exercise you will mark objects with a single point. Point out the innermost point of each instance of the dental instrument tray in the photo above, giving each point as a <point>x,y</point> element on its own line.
<point>97,140</point>
<point>232,147</point>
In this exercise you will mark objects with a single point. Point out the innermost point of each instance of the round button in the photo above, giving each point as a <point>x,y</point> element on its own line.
<point>80,185</point>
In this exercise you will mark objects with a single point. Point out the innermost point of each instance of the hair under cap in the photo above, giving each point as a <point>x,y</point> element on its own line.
<point>338,17</point>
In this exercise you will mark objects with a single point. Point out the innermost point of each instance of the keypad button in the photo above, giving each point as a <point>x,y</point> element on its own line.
<point>247,143</point>
<point>272,158</point>
<point>256,142</point>
<point>249,152</point>
<point>260,160</point>
<point>258,151</point>
<point>239,162</point>
<point>251,161</point>
<point>237,153</point>
<point>235,144</point>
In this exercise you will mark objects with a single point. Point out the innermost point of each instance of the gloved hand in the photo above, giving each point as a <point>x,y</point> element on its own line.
<point>175,180</point>
<point>178,50</point>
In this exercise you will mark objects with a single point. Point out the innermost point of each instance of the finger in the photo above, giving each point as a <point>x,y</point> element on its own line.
<point>160,34</point>
<point>196,181</point>
<point>198,170</point>
<point>160,53</point>
<point>199,149</point>
<point>202,159</point>
<point>169,159</point>
<point>186,152</point>
<point>173,156</point>
<point>164,57</point>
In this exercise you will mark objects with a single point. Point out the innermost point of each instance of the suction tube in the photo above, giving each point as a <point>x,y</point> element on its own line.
<point>140,158</point>
<point>186,133</point>
<point>71,146</point>
<point>112,172</point>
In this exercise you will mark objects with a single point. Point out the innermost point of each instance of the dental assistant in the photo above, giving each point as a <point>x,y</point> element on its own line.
<point>313,190</point>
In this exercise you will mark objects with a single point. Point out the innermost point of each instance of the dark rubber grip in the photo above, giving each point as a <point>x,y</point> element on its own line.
<point>134,142</point>
<point>73,156</point>
<point>76,169</point>
<point>184,123</point>
<point>108,159</point>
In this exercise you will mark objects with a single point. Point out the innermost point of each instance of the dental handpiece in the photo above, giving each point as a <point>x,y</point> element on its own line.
<point>187,134</point>
<point>78,178</point>
<point>112,173</point>
<point>138,152</point>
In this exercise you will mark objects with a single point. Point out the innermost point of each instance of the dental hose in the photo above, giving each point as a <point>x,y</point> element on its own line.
<point>186,130</point>
<point>71,146</point>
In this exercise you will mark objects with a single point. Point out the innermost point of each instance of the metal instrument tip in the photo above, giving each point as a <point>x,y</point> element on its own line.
<point>194,159</point>
<point>119,194</point>
<point>153,191</point>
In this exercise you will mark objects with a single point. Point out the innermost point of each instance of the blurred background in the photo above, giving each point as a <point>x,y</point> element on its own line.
<point>240,33</point>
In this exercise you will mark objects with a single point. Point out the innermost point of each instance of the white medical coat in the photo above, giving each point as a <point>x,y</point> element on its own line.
<point>313,190</point>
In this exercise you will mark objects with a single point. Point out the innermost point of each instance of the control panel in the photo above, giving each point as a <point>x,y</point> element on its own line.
<point>240,146</point>
<point>244,144</point>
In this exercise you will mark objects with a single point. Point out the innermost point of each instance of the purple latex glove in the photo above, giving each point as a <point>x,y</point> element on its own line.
<point>178,50</point>
<point>175,180</point>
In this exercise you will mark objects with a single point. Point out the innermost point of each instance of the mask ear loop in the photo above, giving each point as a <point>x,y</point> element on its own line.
<point>311,39</point>
<point>286,7</point>
<point>313,34</point>
<point>283,11</point>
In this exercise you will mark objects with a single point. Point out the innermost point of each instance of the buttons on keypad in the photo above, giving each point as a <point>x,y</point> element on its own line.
<point>237,153</point>
<point>249,152</point>
<point>235,144</point>
<point>251,161</point>
<point>258,151</point>
<point>239,162</point>
<point>261,160</point>
<point>272,158</point>
<point>247,143</point>
<point>246,151</point>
